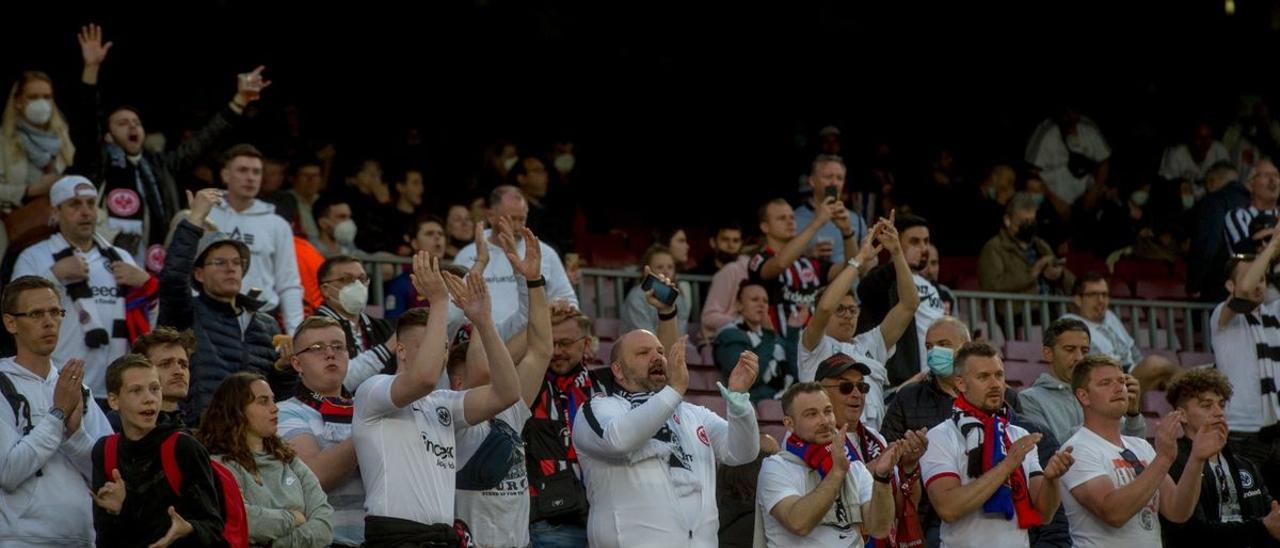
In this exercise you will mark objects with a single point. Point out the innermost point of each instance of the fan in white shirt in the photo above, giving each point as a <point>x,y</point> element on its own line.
<point>405,434</point>
<point>649,458</point>
<point>1190,162</point>
<point>1107,334</point>
<point>996,506</point>
<point>835,321</point>
<point>1119,483</point>
<point>818,491</point>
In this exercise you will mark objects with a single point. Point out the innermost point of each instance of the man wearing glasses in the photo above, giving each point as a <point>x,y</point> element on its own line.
<point>316,422</point>
<point>94,278</point>
<point>370,342</point>
<point>1107,335</point>
<point>836,320</point>
<point>47,427</point>
<point>1119,483</point>
<point>231,333</point>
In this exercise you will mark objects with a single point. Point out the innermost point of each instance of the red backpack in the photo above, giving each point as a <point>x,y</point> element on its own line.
<point>235,524</point>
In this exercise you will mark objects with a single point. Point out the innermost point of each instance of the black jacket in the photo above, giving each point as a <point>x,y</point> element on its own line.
<point>144,518</point>
<point>1206,528</point>
<point>1209,243</point>
<point>221,347</point>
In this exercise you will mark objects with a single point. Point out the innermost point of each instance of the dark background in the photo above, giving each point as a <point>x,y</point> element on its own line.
<point>685,108</point>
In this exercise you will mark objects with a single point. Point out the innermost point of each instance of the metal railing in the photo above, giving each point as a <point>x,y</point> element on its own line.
<point>1164,325</point>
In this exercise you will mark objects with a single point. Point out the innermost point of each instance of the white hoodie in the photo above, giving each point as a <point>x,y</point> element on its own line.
<point>273,267</point>
<point>44,475</point>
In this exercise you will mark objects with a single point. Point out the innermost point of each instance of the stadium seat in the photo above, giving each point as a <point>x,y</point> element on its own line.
<point>713,402</point>
<point>1023,374</point>
<point>1026,351</point>
<point>1195,359</point>
<point>704,380</point>
<point>607,328</point>
<point>776,430</point>
<point>769,410</point>
<point>1155,404</point>
<point>1161,289</point>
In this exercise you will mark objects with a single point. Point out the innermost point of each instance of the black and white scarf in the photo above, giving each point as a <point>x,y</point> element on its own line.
<point>1264,328</point>
<point>95,334</point>
<point>666,444</point>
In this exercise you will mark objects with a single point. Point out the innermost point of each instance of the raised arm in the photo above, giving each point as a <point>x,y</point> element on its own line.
<point>418,377</point>
<point>773,267</point>
<point>483,403</point>
<point>532,369</point>
<point>840,286</point>
<point>901,316</point>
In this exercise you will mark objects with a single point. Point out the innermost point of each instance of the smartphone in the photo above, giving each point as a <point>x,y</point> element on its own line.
<point>831,191</point>
<point>662,291</point>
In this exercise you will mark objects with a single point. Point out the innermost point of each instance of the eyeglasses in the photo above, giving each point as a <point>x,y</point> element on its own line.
<point>1132,460</point>
<point>347,280</point>
<point>566,343</point>
<point>846,387</point>
<point>324,349</point>
<point>851,310</point>
<point>55,313</point>
<point>223,263</point>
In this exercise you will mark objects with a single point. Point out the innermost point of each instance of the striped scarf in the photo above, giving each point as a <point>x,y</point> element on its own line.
<point>981,430</point>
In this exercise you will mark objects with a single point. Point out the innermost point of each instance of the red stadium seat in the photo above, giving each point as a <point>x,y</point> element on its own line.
<point>1026,351</point>
<point>1196,359</point>
<point>769,410</point>
<point>1023,374</point>
<point>713,402</point>
<point>1155,404</point>
<point>704,380</point>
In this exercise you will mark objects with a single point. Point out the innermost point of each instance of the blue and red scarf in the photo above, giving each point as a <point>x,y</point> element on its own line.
<point>1012,497</point>
<point>817,456</point>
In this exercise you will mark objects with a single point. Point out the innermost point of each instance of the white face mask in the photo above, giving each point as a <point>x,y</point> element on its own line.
<point>508,163</point>
<point>564,163</point>
<point>38,112</point>
<point>353,297</point>
<point>345,232</point>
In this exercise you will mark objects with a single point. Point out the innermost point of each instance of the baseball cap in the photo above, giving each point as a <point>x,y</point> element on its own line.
<point>71,186</point>
<point>837,364</point>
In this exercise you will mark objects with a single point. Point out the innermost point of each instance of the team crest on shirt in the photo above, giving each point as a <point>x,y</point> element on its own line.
<point>1246,480</point>
<point>702,436</point>
<point>443,416</point>
<point>123,202</point>
<point>155,258</point>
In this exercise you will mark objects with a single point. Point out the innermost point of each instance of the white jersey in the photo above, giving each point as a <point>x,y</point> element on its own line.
<point>781,478</point>
<point>408,456</point>
<point>347,499</point>
<point>1050,151</point>
<point>1236,352</point>
<point>869,349</point>
<point>947,456</point>
<point>491,513</point>
<point>502,281</point>
<point>629,473</point>
<point>1096,457</point>
<point>106,307</point>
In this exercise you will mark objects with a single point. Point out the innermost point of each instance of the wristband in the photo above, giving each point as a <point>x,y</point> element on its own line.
<point>848,236</point>
<point>540,282</point>
<point>665,317</point>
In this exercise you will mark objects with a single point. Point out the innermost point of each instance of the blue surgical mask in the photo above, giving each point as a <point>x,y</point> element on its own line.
<point>941,361</point>
<point>1038,199</point>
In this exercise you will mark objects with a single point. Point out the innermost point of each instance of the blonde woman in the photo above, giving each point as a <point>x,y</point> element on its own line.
<point>35,144</point>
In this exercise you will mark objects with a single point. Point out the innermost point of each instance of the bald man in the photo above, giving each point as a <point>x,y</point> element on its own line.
<point>649,458</point>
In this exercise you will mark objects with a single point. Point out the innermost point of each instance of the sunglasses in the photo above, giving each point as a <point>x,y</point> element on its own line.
<point>1132,460</point>
<point>847,387</point>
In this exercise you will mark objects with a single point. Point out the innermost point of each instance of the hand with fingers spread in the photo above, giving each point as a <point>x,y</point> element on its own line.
<point>744,373</point>
<point>201,204</point>
<point>471,296</point>
<point>92,49</point>
<point>871,246</point>
<point>482,250</point>
<point>178,529</point>
<point>427,280</point>
<point>531,265</point>
<point>110,496</point>
<point>1058,464</point>
<point>677,368</point>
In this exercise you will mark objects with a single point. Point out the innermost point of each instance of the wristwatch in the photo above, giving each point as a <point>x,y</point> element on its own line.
<point>58,412</point>
<point>855,263</point>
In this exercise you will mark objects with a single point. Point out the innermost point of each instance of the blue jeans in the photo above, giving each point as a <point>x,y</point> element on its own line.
<point>546,535</point>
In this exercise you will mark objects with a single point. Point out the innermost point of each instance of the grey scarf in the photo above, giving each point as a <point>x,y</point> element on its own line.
<point>41,146</point>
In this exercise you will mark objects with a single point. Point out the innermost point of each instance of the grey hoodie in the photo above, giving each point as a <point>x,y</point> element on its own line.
<point>278,488</point>
<point>1051,404</point>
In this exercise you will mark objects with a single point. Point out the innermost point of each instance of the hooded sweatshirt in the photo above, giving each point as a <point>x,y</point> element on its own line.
<point>273,267</point>
<point>144,517</point>
<point>1052,404</point>
<point>269,496</point>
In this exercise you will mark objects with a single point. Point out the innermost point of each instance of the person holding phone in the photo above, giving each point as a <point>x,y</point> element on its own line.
<point>826,182</point>
<point>637,312</point>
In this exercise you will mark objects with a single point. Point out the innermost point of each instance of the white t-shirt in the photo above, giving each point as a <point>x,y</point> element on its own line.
<point>298,419</point>
<point>930,310</point>
<point>1177,163</point>
<point>867,348</point>
<point>947,456</point>
<point>781,478</point>
<point>1236,355</point>
<point>491,513</point>
<point>1051,152</point>
<point>1096,457</point>
<point>408,456</point>
<point>502,280</point>
<point>107,305</point>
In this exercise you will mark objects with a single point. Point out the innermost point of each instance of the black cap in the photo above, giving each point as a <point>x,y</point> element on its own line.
<point>837,364</point>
